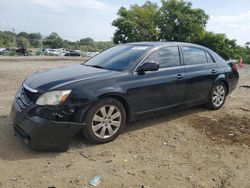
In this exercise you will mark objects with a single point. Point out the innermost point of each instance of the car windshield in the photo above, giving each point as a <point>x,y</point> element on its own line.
<point>118,58</point>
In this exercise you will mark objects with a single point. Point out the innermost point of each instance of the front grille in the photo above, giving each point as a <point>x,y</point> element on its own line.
<point>25,98</point>
<point>30,95</point>
<point>22,101</point>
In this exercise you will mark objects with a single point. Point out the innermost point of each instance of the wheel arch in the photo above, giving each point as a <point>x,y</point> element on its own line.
<point>121,99</point>
<point>226,84</point>
<point>223,80</point>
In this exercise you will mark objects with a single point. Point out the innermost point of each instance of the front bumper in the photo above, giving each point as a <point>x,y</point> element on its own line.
<point>42,134</point>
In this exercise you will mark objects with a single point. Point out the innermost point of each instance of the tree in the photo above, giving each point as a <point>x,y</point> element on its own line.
<point>23,42</point>
<point>175,20</point>
<point>89,48</point>
<point>86,41</point>
<point>35,39</point>
<point>222,45</point>
<point>103,45</point>
<point>137,23</point>
<point>6,39</point>
<point>246,53</point>
<point>23,34</point>
<point>53,41</point>
<point>178,21</point>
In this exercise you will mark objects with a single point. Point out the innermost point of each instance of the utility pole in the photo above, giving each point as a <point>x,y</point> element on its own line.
<point>14,36</point>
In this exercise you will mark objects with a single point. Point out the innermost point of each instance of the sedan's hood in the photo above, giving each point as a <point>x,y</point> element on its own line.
<point>56,78</point>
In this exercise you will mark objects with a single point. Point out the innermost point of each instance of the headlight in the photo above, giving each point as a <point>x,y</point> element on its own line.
<point>53,97</point>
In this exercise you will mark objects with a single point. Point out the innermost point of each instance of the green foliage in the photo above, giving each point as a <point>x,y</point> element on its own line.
<point>178,21</point>
<point>137,24</point>
<point>23,34</point>
<point>23,39</point>
<point>222,45</point>
<point>12,52</point>
<point>246,54</point>
<point>35,39</point>
<point>88,45</point>
<point>23,42</point>
<point>174,20</point>
<point>68,44</point>
<point>86,41</point>
<point>53,41</point>
<point>38,52</point>
<point>6,39</point>
<point>88,48</point>
<point>104,45</point>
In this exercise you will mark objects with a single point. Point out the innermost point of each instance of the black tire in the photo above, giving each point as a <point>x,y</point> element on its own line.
<point>106,102</point>
<point>211,104</point>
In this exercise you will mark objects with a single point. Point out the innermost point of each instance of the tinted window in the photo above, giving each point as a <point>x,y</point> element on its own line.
<point>210,59</point>
<point>118,58</point>
<point>166,57</point>
<point>193,56</point>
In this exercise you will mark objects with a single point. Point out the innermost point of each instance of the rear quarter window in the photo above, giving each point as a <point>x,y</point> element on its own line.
<point>210,59</point>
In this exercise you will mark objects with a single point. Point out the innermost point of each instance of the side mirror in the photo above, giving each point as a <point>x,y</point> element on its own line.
<point>148,66</point>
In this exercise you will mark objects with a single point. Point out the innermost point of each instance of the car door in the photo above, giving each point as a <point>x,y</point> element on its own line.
<point>201,71</point>
<point>161,89</point>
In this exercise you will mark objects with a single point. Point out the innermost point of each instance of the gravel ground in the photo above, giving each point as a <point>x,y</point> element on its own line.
<point>190,148</point>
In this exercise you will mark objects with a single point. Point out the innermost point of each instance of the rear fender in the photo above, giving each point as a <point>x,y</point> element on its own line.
<point>222,78</point>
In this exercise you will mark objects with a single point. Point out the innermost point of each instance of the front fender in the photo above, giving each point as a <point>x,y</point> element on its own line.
<point>110,91</point>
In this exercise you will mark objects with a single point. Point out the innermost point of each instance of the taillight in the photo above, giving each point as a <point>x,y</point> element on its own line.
<point>234,67</point>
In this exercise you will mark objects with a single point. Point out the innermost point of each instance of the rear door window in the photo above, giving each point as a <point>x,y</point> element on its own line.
<point>194,56</point>
<point>166,57</point>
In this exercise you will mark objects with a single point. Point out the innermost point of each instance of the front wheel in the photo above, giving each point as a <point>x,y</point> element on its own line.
<point>104,121</point>
<point>217,96</point>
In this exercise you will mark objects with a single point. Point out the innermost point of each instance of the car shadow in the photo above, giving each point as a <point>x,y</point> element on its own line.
<point>79,142</point>
<point>163,117</point>
<point>12,149</point>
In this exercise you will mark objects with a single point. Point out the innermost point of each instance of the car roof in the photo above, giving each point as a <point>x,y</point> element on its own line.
<point>159,44</point>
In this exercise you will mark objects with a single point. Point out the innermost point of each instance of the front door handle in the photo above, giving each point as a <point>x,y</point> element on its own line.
<point>179,76</point>
<point>213,71</point>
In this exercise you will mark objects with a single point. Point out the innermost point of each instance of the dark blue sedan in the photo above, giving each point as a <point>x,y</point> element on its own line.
<point>119,85</point>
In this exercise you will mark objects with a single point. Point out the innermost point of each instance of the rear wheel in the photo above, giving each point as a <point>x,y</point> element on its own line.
<point>104,121</point>
<point>217,96</point>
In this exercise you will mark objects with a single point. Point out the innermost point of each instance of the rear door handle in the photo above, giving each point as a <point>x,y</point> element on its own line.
<point>213,71</point>
<point>179,76</point>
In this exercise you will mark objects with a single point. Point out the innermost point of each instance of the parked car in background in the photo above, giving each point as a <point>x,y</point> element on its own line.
<point>122,84</point>
<point>4,51</point>
<point>73,54</point>
<point>22,51</point>
<point>54,52</point>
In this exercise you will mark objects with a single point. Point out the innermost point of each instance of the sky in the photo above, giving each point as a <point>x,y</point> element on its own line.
<point>77,19</point>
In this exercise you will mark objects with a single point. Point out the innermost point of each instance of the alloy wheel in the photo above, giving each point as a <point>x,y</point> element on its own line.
<point>219,95</point>
<point>106,121</point>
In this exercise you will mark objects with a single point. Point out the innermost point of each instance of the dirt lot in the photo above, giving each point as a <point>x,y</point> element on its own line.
<point>190,148</point>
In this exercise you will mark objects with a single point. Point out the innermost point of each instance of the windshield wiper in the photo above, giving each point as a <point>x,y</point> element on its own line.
<point>96,66</point>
